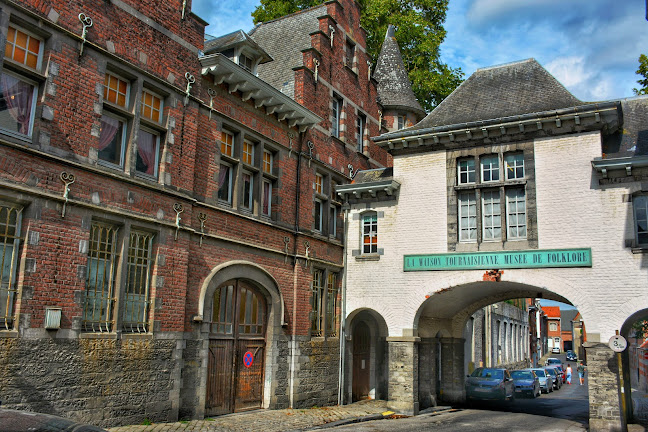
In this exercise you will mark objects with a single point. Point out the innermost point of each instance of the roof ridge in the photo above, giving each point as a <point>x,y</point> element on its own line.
<point>289,15</point>
<point>529,60</point>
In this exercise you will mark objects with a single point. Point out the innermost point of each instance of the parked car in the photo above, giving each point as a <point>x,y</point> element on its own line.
<point>546,383</point>
<point>526,383</point>
<point>563,375</point>
<point>555,350</point>
<point>551,361</point>
<point>571,356</point>
<point>22,421</point>
<point>489,384</point>
<point>556,378</point>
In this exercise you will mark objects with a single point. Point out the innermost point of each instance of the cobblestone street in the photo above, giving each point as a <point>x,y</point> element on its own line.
<point>269,420</point>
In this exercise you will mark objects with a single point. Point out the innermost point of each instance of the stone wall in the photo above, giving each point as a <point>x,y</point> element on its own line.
<point>603,387</point>
<point>106,382</point>
<point>317,372</point>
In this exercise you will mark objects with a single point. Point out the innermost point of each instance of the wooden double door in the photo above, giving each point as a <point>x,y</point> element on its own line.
<point>236,349</point>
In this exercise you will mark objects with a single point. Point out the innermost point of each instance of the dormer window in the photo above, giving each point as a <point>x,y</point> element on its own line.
<point>245,62</point>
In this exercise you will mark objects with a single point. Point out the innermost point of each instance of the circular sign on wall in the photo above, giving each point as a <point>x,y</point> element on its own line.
<point>248,359</point>
<point>618,343</point>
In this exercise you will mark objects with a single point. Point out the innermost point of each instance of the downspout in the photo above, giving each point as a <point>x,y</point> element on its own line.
<point>346,209</point>
<point>293,339</point>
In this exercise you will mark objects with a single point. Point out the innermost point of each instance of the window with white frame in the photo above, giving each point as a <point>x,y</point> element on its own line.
<point>491,215</point>
<point>514,166</point>
<point>467,206</point>
<point>10,219</point>
<point>400,122</point>
<point>516,224</point>
<point>640,205</point>
<point>336,116</point>
<point>466,171</point>
<point>361,122</point>
<point>370,233</point>
<point>18,91</point>
<point>553,326</point>
<point>489,168</point>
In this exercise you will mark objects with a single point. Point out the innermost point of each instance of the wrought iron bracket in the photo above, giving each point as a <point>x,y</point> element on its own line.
<point>316,63</point>
<point>87,23</point>
<point>202,217</point>
<point>67,180</point>
<point>184,7</point>
<point>332,30</point>
<point>290,143</point>
<point>351,173</point>
<point>286,243</point>
<point>190,81</point>
<point>307,252</point>
<point>212,94</point>
<point>177,207</point>
<point>368,70</point>
<point>311,146</point>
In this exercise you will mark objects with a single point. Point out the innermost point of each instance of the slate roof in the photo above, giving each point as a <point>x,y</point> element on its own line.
<point>632,139</point>
<point>284,39</point>
<point>230,40</point>
<point>500,91</point>
<point>373,175</point>
<point>394,86</point>
<point>566,318</point>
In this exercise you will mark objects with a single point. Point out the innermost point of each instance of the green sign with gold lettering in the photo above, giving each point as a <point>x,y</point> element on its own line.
<point>546,258</point>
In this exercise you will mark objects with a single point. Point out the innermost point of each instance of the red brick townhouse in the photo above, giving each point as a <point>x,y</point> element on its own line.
<point>171,242</point>
<point>554,334</point>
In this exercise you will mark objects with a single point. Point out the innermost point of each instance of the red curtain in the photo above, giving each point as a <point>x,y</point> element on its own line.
<point>18,96</point>
<point>147,150</point>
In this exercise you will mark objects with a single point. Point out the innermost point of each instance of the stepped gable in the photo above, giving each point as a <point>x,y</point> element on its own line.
<point>394,86</point>
<point>501,91</point>
<point>284,39</point>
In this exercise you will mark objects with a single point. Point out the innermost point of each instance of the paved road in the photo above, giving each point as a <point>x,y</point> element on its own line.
<point>468,420</point>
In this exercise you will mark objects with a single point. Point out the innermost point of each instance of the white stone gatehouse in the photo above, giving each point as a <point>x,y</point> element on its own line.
<point>510,176</point>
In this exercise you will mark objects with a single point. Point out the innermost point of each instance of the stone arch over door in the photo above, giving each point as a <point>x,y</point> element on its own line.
<point>259,280</point>
<point>374,357</point>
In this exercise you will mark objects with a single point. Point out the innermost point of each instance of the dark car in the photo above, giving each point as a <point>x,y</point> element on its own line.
<point>23,421</point>
<point>563,375</point>
<point>571,356</point>
<point>489,384</point>
<point>526,383</point>
<point>555,377</point>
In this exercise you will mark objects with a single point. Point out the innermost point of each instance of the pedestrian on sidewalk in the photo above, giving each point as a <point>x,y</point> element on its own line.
<point>581,372</point>
<point>568,372</point>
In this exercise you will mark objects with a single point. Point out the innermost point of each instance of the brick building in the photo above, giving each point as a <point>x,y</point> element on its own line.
<point>554,333</point>
<point>168,206</point>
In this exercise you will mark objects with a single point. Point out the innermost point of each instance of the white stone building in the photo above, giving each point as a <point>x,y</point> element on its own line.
<point>510,188</point>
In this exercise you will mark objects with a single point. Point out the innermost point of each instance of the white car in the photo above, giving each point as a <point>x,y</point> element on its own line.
<point>555,350</point>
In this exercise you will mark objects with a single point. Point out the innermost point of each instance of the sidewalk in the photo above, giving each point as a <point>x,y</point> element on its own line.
<point>270,420</point>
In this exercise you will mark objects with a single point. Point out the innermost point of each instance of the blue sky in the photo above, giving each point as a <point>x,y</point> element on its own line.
<point>591,46</point>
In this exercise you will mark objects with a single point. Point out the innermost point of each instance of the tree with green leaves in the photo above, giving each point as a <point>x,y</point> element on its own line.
<point>419,34</point>
<point>643,71</point>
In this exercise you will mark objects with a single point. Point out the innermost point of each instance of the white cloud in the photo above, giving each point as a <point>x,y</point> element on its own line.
<point>570,71</point>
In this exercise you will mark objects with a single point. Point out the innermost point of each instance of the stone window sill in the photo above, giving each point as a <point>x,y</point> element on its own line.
<point>137,336</point>
<point>111,336</point>
<point>368,257</point>
<point>8,334</point>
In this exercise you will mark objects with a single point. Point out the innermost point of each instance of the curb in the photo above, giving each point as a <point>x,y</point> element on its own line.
<point>382,416</point>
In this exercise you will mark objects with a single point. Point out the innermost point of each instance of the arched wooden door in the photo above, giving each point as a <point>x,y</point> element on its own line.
<point>361,361</point>
<point>236,349</point>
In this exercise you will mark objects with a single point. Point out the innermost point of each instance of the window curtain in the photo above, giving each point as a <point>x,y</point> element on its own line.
<point>18,97</point>
<point>266,198</point>
<point>222,175</point>
<point>109,127</point>
<point>147,150</point>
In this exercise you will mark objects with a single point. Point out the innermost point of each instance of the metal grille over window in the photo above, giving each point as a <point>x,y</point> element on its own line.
<point>370,234</point>
<point>9,238</point>
<point>331,305</point>
<point>136,296</point>
<point>317,303</point>
<point>99,299</point>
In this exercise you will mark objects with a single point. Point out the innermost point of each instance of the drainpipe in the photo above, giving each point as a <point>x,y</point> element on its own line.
<point>293,339</point>
<point>345,208</point>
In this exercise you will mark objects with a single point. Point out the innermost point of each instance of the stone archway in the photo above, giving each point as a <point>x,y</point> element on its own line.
<point>259,281</point>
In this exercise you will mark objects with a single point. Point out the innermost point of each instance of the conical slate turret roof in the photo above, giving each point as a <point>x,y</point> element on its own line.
<point>394,86</point>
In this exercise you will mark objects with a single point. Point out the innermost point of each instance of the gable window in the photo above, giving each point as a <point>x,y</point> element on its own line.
<point>225,183</point>
<point>138,273</point>
<point>467,217</point>
<point>490,168</point>
<point>400,122</point>
<point>18,93</point>
<point>370,233</point>
<point>360,131</point>
<point>516,214</point>
<point>336,114</point>
<point>10,218</point>
<point>245,62</point>
<point>466,171</point>
<point>514,166</point>
<point>640,204</point>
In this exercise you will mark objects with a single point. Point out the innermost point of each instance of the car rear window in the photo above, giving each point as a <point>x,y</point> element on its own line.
<point>551,372</point>
<point>540,373</point>
<point>488,373</point>
<point>522,375</point>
